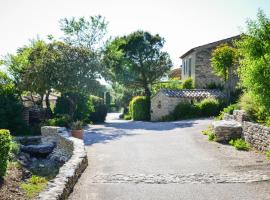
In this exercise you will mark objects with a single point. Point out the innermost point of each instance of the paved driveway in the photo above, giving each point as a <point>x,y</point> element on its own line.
<point>168,161</point>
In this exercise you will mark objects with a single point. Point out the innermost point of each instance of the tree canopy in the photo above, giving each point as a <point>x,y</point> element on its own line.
<point>137,60</point>
<point>254,51</point>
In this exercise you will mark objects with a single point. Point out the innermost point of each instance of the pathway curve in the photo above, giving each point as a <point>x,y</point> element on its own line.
<point>167,161</point>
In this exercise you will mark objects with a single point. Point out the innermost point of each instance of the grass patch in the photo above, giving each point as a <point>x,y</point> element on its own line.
<point>267,153</point>
<point>240,144</point>
<point>211,137</point>
<point>210,133</point>
<point>34,186</point>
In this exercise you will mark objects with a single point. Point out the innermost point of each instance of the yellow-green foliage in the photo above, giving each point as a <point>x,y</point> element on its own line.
<point>210,133</point>
<point>188,84</point>
<point>139,108</point>
<point>240,144</point>
<point>5,140</point>
<point>34,186</point>
<point>268,153</point>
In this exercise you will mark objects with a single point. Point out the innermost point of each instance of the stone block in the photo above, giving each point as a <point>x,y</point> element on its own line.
<point>226,130</point>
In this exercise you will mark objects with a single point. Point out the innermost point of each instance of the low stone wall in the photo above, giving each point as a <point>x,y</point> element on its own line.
<point>61,186</point>
<point>257,135</point>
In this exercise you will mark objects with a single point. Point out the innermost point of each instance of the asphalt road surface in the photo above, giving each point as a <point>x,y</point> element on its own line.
<point>167,161</point>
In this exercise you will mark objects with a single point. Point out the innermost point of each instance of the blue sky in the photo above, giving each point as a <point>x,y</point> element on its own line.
<point>183,23</point>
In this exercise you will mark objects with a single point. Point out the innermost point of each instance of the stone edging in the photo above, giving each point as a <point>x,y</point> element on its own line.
<point>62,185</point>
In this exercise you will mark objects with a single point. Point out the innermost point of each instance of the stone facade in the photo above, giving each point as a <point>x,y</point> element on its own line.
<point>258,136</point>
<point>162,105</point>
<point>196,63</point>
<point>165,101</point>
<point>62,185</point>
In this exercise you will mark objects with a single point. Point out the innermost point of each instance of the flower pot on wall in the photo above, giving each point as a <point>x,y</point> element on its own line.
<point>77,134</point>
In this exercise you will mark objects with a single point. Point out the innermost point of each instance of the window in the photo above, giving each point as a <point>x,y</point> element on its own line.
<point>189,67</point>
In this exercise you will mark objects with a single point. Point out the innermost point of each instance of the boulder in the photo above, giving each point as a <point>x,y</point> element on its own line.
<point>226,130</point>
<point>42,150</point>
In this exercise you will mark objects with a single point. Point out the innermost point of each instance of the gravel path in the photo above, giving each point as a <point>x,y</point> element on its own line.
<point>167,160</point>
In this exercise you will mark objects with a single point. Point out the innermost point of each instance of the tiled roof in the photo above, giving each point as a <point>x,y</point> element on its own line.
<point>193,93</point>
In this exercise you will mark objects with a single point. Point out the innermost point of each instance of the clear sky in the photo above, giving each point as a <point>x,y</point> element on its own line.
<point>183,23</point>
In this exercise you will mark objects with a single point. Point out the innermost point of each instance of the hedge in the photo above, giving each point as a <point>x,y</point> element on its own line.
<point>5,143</point>
<point>139,108</point>
<point>99,111</point>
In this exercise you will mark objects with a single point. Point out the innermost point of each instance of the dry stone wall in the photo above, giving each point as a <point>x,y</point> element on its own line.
<point>73,151</point>
<point>255,134</point>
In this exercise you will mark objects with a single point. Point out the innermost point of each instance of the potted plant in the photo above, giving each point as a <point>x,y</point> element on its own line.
<point>77,129</point>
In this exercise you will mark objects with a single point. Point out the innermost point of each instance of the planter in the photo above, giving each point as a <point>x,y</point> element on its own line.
<point>77,134</point>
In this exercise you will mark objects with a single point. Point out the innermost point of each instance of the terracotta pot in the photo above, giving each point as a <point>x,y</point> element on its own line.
<point>77,134</point>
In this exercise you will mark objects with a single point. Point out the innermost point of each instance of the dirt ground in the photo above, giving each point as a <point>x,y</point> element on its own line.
<point>10,185</point>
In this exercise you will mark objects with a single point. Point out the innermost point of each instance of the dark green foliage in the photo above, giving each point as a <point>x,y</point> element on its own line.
<point>11,111</point>
<point>127,117</point>
<point>209,107</point>
<point>14,150</point>
<point>188,84</point>
<point>214,86</point>
<point>185,110</point>
<point>76,105</point>
<point>5,140</point>
<point>60,120</point>
<point>99,112</point>
<point>139,108</point>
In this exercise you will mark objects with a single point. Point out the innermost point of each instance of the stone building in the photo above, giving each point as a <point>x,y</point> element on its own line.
<point>164,102</point>
<point>196,63</point>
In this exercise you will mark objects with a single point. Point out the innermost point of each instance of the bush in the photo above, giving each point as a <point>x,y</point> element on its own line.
<point>229,109</point>
<point>60,120</point>
<point>11,112</point>
<point>188,84</point>
<point>209,107</point>
<point>139,108</point>
<point>127,117</point>
<point>76,105</point>
<point>14,150</point>
<point>185,110</point>
<point>99,112</point>
<point>240,144</point>
<point>5,140</point>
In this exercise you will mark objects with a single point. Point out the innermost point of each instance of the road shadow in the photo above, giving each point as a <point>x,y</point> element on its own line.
<point>116,129</point>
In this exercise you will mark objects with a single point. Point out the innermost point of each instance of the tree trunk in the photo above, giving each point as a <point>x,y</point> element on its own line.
<point>147,92</point>
<point>48,105</point>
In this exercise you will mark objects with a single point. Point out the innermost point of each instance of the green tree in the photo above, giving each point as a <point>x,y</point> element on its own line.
<point>87,32</point>
<point>254,51</point>
<point>223,61</point>
<point>137,60</point>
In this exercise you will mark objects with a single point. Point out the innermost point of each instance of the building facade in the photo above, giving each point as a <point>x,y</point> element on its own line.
<point>196,63</point>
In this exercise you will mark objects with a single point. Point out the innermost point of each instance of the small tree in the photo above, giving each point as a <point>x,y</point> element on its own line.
<point>254,70</point>
<point>223,62</point>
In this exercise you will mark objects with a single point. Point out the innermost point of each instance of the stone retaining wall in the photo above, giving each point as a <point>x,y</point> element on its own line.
<point>255,134</point>
<point>61,186</point>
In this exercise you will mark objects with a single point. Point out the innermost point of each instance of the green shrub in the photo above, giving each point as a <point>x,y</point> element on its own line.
<point>14,150</point>
<point>229,109</point>
<point>188,84</point>
<point>76,105</point>
<point>5,140</point>
<point>209,107</point>
<point>127,117</point>
<point>60,120</point>
<point>240,144</point>
<point>11,112</point>
<point>211,136</point>
<point>99,111</point>
<point>185,110</point>
<point>139,108</point>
